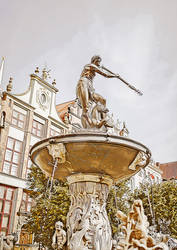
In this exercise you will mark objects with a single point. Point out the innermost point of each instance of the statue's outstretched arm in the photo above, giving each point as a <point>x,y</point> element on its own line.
<point>102,72</point>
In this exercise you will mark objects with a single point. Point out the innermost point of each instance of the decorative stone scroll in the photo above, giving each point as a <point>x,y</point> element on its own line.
<point>88,226</point>
<point>139,161</point>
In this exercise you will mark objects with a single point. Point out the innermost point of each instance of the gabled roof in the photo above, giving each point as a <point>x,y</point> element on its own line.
<point>63,108</point>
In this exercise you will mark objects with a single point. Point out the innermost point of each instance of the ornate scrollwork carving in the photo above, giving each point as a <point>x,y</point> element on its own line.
<point>43,98</point>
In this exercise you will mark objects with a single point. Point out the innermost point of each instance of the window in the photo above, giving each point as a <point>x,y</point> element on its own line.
<point>12,156</point>
<point>6,198</point>
<point>53,132</point>
<point>43,98</point>
<point>18,119</point>
<point>26,203</point>
<point>37,128</point>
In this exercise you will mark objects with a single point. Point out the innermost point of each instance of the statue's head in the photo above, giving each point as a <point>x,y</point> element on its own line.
<point>96,60</point>
<point>58,225</point>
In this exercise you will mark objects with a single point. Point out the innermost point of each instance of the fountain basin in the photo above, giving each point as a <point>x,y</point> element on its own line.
<point>97,153</point>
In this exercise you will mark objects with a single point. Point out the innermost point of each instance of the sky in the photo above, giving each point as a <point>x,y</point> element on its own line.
<point>136,39</point>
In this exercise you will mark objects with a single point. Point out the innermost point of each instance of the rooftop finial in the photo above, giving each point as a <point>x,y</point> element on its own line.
<point>54,82</point>
<point>45,73</point>
<point>36,70</point>
<point>9,85</point>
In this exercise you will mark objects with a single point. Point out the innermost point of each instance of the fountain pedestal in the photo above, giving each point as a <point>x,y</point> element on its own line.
<point>88,226</point>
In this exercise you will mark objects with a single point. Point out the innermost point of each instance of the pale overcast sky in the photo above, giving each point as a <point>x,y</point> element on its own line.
<point>136,39</point>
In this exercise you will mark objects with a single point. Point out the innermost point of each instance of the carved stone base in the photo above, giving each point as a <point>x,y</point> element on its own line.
<point>88,226</point>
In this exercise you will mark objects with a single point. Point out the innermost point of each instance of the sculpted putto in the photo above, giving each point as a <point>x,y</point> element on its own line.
<point>59,237</point>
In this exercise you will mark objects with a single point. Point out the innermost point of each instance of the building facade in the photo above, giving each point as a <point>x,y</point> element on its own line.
<point>152,173</point>
<point>25,119</point>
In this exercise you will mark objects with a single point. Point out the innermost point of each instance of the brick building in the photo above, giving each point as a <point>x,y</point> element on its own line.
<point>169,170</point>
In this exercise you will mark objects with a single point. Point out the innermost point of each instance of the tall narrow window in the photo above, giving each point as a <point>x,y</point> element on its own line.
<point>18,119</point>
<point>37,129</point>
<point>12,156</point>
<point>26,203</point>
<point>6,198</point>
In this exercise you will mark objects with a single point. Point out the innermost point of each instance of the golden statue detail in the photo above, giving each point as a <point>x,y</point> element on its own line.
<point>94,111</point>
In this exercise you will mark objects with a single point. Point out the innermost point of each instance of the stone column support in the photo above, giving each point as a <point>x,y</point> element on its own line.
<point>88,226</point>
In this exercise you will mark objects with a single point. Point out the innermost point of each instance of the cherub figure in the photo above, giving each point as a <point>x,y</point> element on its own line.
<point>59,237</point>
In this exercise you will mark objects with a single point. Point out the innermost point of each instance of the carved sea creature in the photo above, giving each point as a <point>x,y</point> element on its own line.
<point>135,229</point>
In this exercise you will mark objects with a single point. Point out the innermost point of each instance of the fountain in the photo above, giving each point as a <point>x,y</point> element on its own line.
<point>91,160</point>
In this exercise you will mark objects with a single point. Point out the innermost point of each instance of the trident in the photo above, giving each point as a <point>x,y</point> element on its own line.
<point>120,78</point>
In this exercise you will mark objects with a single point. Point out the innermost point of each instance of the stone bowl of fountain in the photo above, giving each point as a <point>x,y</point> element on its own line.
<point>90,153</point>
